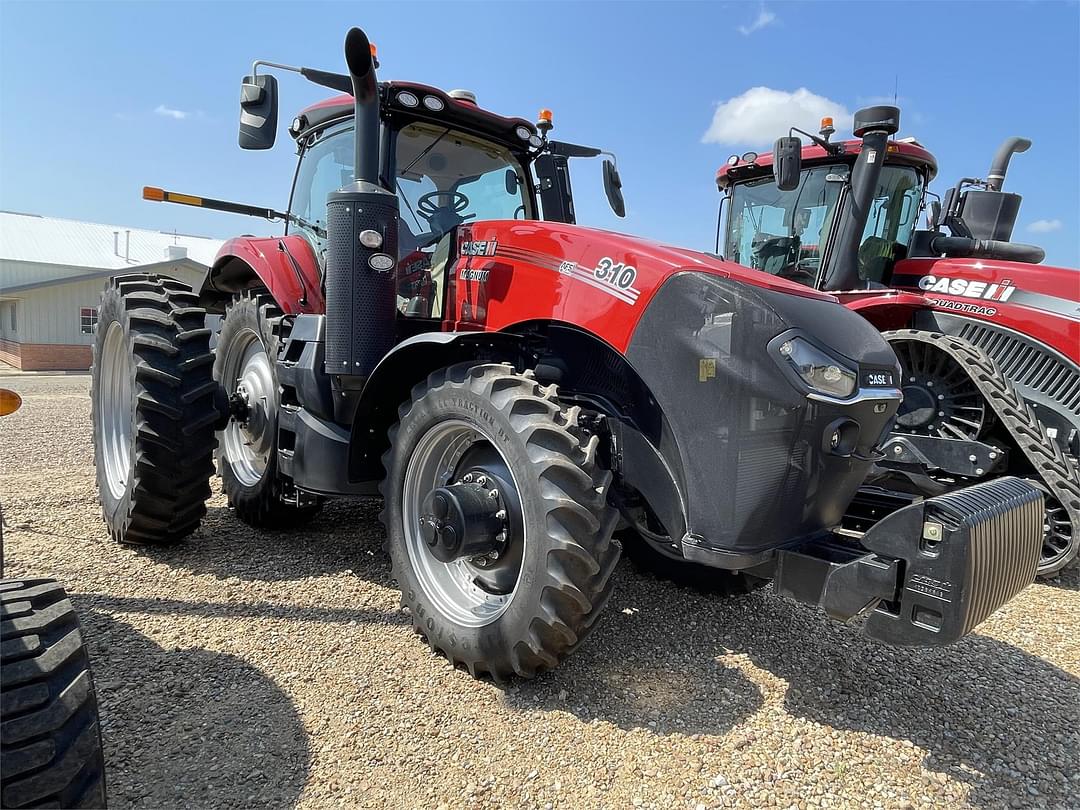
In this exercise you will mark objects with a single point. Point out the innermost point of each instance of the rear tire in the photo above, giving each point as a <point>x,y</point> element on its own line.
<point>558,537</point>
<point>247,349</point>
<point>51,747</point>
<point>152,407</point>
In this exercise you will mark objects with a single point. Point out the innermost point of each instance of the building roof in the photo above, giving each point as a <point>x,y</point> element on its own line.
<point>70,243</point>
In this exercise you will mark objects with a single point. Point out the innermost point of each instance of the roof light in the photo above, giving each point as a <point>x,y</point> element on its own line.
<point>374,55</point>
<point>544,121</point>
<point>545,115</point>
<point>826,122</point>
<point>749,157</point>
<point>434,103</point>
<point>407,99</point>
<point>523,132</point>
<point>152,193</point>
<point>536,140</point>
<point>733,160</point>
<point>463,95</point>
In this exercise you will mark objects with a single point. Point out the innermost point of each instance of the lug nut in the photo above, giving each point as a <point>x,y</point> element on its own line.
<point>482,480</point>
<point>500,515</point>
<point>494,494</point>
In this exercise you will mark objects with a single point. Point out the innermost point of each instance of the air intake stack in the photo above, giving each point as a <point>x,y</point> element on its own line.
<point>361,240</point>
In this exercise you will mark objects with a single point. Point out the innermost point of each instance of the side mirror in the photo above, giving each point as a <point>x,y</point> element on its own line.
<point>787,163</point>
<point>935,215</point>
<point>613,189</point>
<point>511,182</point>
<point>258,112</point>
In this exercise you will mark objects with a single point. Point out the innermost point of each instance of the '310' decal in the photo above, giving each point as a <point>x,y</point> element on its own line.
<point>617,274</point>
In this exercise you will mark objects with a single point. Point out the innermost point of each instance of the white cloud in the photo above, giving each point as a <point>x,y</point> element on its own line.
<point>764,19</point>
<point>1045,225</point>
<point>169,112</point>
<point>761,115</point>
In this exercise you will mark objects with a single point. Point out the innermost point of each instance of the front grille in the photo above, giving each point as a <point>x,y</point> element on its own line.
<point>1029,364</point>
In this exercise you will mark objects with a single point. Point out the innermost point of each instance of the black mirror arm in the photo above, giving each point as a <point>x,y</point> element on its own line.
<point>828,146</point>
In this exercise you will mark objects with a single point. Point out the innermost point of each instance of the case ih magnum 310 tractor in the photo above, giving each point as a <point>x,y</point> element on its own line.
<point>988,339</point>
<point>514,387</point>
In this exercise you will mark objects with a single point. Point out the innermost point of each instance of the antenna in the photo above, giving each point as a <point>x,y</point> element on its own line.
<point>896,89</point>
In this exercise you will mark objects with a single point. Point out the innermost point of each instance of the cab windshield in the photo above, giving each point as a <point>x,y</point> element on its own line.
<point>445,177</point>
<point>784,233</point>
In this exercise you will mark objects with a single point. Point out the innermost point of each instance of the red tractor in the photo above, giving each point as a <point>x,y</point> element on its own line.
<point>988,339</point>
<point>514,387</point>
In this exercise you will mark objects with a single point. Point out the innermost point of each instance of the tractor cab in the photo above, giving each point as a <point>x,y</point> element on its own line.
<point>448,160</point>
<point>792,232</point>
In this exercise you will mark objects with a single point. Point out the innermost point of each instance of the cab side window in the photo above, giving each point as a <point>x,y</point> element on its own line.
<point>326,165</point>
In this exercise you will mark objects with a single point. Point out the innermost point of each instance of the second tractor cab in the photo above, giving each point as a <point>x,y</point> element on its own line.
<point>514,388</point>
<point>989,339</point>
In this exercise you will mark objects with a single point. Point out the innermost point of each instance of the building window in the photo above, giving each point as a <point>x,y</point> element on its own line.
<point>14,328</point>
<point>88,320</point>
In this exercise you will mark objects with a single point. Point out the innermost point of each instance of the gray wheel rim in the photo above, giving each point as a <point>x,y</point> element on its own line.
<point>115,409</point>
<point>451,587</point>
<point>246,372</point>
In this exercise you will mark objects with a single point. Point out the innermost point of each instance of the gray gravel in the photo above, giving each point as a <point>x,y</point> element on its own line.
<point>245,669</point>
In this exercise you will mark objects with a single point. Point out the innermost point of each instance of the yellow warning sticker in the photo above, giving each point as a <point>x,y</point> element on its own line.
<point>706,368</point>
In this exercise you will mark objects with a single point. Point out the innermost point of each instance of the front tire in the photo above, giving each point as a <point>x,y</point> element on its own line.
<point>51,746</point>
<point>152,409</point>
<point>525,608</point>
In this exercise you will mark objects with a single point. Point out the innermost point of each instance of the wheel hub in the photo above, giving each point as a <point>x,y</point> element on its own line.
<point>249,434</point>
<point>464,520</point>
<point>917,409</point>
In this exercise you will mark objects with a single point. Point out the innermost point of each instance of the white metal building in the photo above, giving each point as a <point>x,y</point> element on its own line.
<point>52,272</point>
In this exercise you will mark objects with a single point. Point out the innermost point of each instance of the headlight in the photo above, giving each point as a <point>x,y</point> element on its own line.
<point>818,370</point>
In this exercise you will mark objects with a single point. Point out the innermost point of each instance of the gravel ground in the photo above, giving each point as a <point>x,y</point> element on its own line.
<point>245,669</point>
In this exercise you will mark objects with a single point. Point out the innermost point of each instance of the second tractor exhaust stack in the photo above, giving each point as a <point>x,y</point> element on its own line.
<point>362,239</point>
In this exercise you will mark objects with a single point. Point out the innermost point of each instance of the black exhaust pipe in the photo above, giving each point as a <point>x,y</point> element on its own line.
<point>361,254</point>
<point>874,125</point>
<point>996,178</point>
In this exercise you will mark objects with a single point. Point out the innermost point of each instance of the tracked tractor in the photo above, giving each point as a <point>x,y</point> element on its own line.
<point>433,328</point>
<point>988,338</point>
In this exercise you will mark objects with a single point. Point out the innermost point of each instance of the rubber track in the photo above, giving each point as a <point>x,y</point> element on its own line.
<point>576,584</point>
<point>1057,473</point>
<point>51,747</point>
<point>175,410</point>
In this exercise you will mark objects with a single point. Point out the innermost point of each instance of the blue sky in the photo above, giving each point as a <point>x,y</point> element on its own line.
<point>98,99</point>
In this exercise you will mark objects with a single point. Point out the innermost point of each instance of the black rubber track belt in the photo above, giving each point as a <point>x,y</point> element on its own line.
<point>51,748</point>
<point>1056,472</point>
<point>571,592</point>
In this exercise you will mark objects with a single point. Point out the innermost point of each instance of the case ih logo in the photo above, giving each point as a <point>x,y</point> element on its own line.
<point>485,248</point>
<point>968,289</point>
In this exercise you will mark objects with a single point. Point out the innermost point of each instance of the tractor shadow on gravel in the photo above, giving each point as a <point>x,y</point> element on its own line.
<point>345,535</point>
<point>190,728</point>
<point>666,659</point>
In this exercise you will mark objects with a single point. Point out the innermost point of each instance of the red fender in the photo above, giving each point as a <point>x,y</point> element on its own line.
<point>297,289</point>
<point>885,309</point>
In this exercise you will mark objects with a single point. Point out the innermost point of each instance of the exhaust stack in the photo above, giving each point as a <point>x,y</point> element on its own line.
<point>361,253</point>
<point>874,125</point>
<point>996,178</point>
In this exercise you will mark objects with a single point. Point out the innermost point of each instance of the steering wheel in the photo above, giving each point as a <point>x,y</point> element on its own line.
<point>429,205</point>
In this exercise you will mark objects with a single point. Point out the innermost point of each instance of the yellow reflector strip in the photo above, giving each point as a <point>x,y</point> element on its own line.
<point>186,199</point>
<point>152,193</point>
<point>9,402</point>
